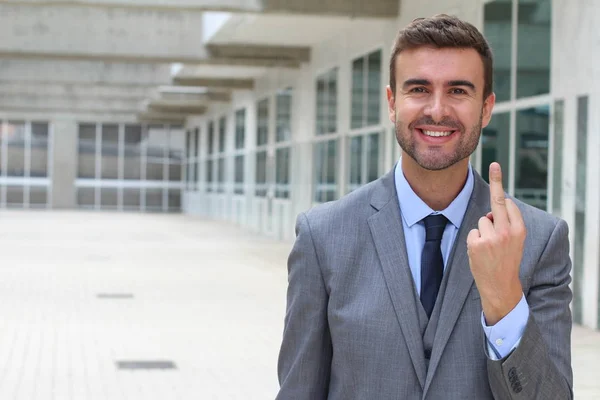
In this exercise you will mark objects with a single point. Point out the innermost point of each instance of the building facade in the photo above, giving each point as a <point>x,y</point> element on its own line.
<point>310,135</point>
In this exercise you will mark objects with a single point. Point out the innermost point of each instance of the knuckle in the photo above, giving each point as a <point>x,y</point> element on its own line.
<point>501,200</point>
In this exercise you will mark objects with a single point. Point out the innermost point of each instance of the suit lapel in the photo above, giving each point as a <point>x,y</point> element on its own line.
<point>460,278</point>
<point>388,236</point>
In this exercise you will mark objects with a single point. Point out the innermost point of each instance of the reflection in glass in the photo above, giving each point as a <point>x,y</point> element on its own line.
<point>283,115</point>
<point>498,31</point>
<point>221,175</point>
<point>15,196</point>
<point>38,197</point>
<point>222,132</point>
<point>86,166</point>
<point>325,171</point>
<point>262,122</point>
<point>531,161</point>
<point>174,200</point>
<point>373,88</point>
<point>109,197</point>
<point>533,48</point>
<point>239,174</point>
<point>372,157</point>
<point>358,93</point>
<point>132,198</point>
<point>495,146</point>
<point>580,193</point>
<point>282,171</point>
<point>209,175</point>
<point>86,197</point>
<point>356,164</point>
<point>240,128</point>
<point>326,121</point>
<point>132,163</point>
<point>261,174</point>
<point>211,137</point>
<point>154,199</point>
<point>39,150</point>
<point>15,139</point>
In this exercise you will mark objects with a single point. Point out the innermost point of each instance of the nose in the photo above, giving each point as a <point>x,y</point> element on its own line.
<point>437,108</point>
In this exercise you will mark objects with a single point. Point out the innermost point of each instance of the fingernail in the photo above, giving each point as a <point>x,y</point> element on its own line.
<point>494,167</point>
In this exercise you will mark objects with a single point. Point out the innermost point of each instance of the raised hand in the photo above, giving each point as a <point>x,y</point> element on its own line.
<point>495,251</point>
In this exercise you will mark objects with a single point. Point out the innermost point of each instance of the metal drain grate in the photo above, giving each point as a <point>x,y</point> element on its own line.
<point>136,365</point>
<point>115,296</point>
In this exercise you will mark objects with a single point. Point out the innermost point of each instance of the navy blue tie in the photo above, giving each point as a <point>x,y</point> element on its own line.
<point>432,263</point>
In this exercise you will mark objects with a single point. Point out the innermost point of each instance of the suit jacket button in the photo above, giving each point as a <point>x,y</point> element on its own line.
<point>512,372</point>
<point>517,388</point>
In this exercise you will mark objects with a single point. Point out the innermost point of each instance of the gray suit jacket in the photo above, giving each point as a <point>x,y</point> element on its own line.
<point>351,326</point>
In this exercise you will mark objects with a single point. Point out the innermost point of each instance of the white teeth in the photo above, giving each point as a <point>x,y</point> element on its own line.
<point>437,133</point>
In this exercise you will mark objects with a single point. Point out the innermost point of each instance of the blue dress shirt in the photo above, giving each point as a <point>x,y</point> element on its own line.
<point>505,335</point>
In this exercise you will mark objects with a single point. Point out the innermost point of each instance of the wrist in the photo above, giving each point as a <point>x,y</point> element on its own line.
<point>496,308</point>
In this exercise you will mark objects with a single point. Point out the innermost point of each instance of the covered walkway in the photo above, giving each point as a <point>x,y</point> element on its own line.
<point>132,306</point>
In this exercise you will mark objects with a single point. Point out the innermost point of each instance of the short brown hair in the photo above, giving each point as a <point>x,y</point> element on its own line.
<point>443,31</point>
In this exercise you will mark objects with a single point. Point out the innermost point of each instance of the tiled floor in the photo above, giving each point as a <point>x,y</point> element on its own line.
<point>81,292</point>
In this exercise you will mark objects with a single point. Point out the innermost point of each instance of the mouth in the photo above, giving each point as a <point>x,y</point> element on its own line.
<point>436,136</point>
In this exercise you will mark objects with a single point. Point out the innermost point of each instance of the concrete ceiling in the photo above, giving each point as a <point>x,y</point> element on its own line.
<point>119,55</point>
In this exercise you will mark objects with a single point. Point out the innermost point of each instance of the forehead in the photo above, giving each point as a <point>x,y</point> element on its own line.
<point>440,65</point>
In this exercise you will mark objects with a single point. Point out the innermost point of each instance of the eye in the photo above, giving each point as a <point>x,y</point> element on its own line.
<point>458,91</point>
<point>418,90</point>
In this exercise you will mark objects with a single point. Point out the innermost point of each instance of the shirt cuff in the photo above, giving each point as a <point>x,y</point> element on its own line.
<point>505,336</point>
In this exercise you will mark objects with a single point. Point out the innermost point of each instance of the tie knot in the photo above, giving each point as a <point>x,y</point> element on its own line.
<point>434,227</point>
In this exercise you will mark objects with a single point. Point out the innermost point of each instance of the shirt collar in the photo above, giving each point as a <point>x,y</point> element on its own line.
<point>414,209</point>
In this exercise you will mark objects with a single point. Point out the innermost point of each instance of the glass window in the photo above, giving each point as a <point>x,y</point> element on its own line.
<point>221,175</point>
<point>15,196</point>
<point>498,27</point>
<point>86,197</point>
<point>86,164</point>
<point>559,109</point>
<point>174,200</point>
<point>196,146</point>
<point>211,137</point>
<point>531,161</point>
<point>240,129</point>
<point>261,173</point>
<point>283,111</point>
<point>282,173</point>
<point>495,146</point>
<point>222,131</point>
<point>239,174</point>
<point>209,175</point>
<point>110,151</point>
<point>326,121</point>
<point>109,197</point>
<point>39,150</point>
<point>175,172</point>
<point>373,88</point>
<point>38,197</point>
<point>131,198</point>
<point>262,122</point>
<point>373,157</point>
<point>358,93</point>
<point>533,48</point>
<point>325,171</point>
<point>356,166</point>
<point>580,215</point>
<point>16,149</point>
<point>154,171</point>
<point>132,162</point>
<point>154,199</point>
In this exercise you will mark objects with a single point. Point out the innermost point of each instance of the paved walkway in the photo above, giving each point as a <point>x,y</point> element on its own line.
<point>81,293</point>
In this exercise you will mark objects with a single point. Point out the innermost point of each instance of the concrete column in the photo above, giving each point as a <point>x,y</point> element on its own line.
<point>64,163</point>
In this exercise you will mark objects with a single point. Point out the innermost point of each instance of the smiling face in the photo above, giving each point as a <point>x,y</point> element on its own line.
<point>438,107</point>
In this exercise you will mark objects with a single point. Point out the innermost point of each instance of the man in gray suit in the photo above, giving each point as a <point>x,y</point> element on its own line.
<point>428,283</point>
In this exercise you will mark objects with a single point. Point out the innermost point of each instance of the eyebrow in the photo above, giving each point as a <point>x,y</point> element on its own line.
<point>425,82</point>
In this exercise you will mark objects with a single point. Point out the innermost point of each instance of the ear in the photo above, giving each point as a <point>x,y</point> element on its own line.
<point>488,107</point>
<point>391,104</point>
